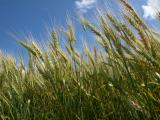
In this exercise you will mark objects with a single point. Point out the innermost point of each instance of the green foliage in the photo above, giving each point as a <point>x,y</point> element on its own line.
<point>120,80</point>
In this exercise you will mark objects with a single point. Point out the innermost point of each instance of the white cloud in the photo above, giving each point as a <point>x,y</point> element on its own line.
<point>151,9</point>
<point>85,5</point>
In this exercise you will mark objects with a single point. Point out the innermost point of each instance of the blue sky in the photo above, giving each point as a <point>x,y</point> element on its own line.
<point>22,17</point>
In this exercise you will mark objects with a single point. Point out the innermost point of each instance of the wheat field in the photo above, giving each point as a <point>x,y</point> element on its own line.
<point>119,80</point>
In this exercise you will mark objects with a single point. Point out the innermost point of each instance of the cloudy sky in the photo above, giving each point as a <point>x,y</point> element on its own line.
<point>85,5</point>
<point>32,16</point>
<point>150,8</point>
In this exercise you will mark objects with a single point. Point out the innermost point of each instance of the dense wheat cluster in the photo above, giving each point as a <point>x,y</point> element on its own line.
<point>119,80</point>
